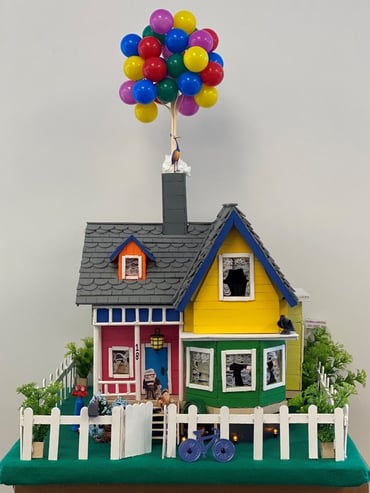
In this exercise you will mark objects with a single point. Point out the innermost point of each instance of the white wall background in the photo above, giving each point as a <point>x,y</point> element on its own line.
<point>288,141</point>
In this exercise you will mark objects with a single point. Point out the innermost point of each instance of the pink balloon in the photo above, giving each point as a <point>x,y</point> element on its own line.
<point>125,92</point>
<point>161,21</point>
<point>201,38</point>
<point>186,105</point>
<point>166,52</point>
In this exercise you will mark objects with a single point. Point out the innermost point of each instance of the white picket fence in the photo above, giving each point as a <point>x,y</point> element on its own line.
<point>65,373</point>
<point>131,432</point>
<point>283,419</point>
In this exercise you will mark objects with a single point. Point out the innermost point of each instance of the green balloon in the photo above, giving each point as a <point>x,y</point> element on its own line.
<point>148,31</point>
<point>175,65</point>
<point>167,90</point>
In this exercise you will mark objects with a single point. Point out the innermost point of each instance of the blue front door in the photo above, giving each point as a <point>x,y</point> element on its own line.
<point>158,360</point>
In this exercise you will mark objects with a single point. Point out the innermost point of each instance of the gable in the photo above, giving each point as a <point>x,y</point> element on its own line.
<point>254,306</point>
<point>229,218</point>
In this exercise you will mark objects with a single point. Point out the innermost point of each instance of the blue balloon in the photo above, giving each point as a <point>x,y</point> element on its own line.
<point>176,40</point>
<point>144,91</point>
<point>129,44</point>
<point>215,57</point>
<point>189,83</point>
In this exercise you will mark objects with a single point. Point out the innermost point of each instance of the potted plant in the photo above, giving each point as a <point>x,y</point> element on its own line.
<point>320,348</point>
<point>313,394</point>
<point>82,357</point>
<point>41,400</point>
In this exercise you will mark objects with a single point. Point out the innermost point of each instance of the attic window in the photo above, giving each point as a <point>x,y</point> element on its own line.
<point>236,277</point>
<point>131,267</point>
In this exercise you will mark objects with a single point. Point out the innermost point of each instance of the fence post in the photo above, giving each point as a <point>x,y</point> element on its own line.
<point>258,434</point>
<point>83,444</point>
<point>339,434</point>
<point>54,434</point>
<point>26,452</point>
<point>116,433</point>
<point>312,432</point>
<point>224,422</point>
<point>284,433</point>
<point>192,420</point>
<point>170,439</point>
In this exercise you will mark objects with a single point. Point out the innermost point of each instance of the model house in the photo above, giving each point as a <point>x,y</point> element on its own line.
<point>193,307</point>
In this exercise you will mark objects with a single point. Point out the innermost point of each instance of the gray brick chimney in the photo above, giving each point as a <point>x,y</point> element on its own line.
<point>175,216</point>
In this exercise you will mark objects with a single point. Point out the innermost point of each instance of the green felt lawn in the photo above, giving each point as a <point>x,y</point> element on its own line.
<point>152,469</point>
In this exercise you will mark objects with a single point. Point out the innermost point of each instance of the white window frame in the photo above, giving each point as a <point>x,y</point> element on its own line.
<point>140,269</point>
<point>281,381</point>
<point>224,364</point>
<point>124,349</point>
<point>206,352</point>
<point>221,266</point>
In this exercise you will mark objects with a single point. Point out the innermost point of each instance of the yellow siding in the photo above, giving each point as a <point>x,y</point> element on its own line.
<point>209,314</point>
<point>295,350</point>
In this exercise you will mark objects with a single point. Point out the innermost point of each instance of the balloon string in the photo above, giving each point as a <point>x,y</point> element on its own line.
<point>173,124</point>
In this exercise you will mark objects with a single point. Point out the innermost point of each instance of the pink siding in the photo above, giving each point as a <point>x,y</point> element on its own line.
<point>124,336</point>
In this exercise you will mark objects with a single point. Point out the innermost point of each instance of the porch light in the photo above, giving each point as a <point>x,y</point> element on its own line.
<point>157,339</point>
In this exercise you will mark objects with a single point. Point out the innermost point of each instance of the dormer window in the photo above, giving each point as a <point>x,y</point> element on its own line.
<point>131,267</point>
<point>132,258</point>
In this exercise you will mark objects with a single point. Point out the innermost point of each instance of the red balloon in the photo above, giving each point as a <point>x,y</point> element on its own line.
<point>213,74</point>
<point>214,37</point>
<point>149,47</point>
<point>155,69</point>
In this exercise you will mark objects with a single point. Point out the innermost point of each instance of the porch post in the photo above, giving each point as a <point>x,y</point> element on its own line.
<point>97,359</point>
<point>181,366</point>
<point>138,357</point>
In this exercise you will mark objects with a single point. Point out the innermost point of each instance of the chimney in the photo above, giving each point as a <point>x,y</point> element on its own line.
<point>175,217</point>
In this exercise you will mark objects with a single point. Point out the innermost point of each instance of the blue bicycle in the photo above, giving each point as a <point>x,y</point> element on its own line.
<point>190,450</point>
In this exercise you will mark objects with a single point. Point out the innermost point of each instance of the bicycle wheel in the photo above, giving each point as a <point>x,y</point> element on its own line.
<point>223,450</point>
<point>190,450</point>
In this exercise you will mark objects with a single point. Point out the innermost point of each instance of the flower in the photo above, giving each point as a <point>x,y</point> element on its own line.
<point>80,391</point>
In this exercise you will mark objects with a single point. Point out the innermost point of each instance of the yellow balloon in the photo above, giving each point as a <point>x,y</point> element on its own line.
<point>196,59</point>
<point>185,20</point>
<point>133,67</point>
<point>207,96</point>
<point>146,113</point>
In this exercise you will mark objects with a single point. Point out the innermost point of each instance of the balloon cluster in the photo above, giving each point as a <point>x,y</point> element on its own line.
<point>172,63</point>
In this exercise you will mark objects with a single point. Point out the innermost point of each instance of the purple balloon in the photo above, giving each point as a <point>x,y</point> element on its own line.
<point>125,92</point>
<point>201,38</point>
<point>186,105</point>
<point>166,53</point>
<point>161,21</point>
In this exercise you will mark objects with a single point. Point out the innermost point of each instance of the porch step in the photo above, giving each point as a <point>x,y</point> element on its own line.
<point>157,424</point>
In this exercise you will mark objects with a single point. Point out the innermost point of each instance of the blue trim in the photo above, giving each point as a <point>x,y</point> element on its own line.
<point>117,251</point>
<point>102,315</point>
<point>235,220</point>
<point>157,315</point>
<point>172,315</point>
<point>130,315</point>
<point>116,314</point>
<point>143,314</point>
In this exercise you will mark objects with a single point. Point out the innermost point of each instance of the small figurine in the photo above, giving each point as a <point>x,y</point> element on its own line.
<point>165,399</point>
<point>151,384</point>
<point>285,324</point>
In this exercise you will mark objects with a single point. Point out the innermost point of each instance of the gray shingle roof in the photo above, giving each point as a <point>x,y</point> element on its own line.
<point>181,261</point>
<point>98,282</point>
